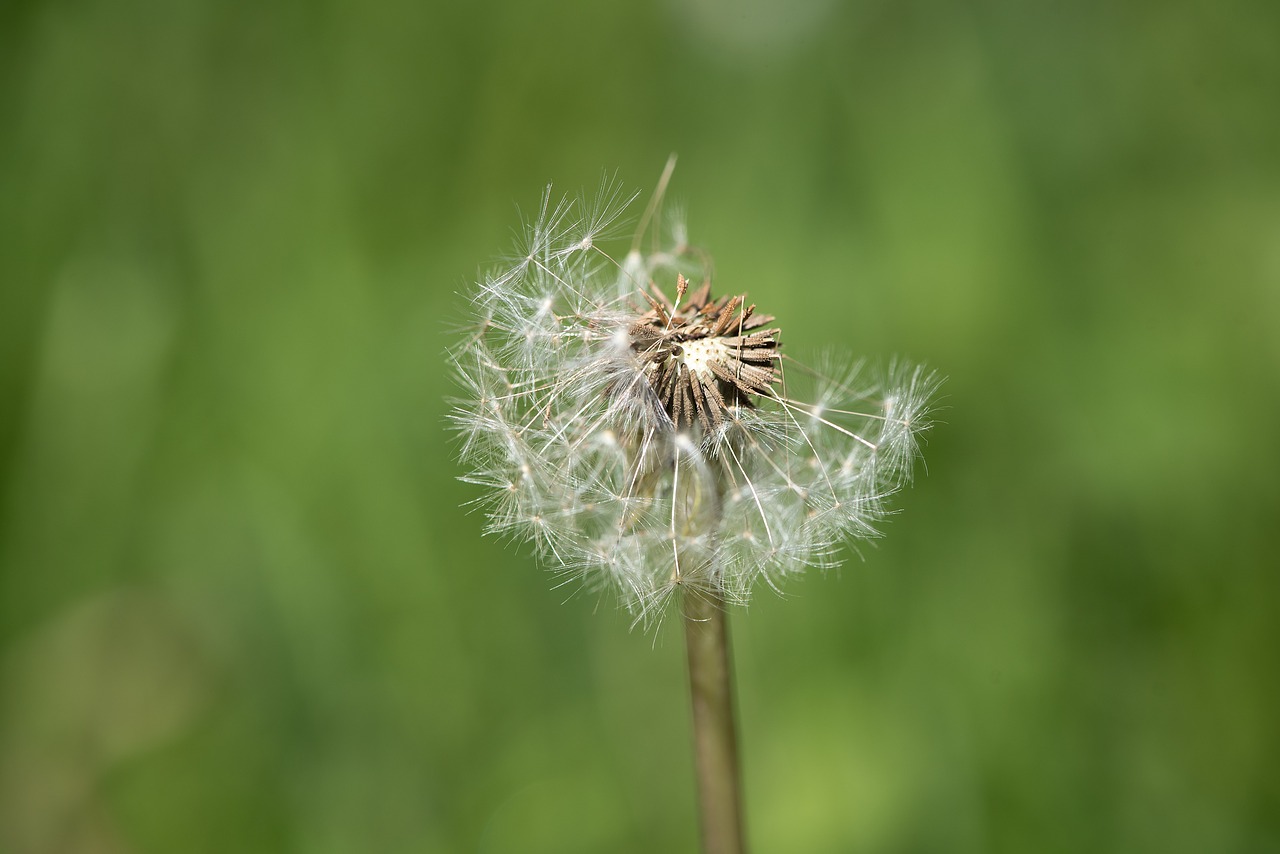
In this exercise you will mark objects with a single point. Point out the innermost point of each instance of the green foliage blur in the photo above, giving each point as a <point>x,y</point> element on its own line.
<point>242,610</point>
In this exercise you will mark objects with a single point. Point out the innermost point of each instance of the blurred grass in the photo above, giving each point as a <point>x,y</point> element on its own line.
<point>239,605</point>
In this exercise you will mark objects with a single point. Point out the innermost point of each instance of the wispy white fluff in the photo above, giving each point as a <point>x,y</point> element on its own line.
<point>573,451</point>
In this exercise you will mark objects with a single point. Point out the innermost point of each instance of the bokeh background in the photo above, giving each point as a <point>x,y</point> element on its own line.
<point>241,610</point>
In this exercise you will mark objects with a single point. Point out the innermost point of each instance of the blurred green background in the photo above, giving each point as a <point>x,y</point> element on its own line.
<point>240,609</point>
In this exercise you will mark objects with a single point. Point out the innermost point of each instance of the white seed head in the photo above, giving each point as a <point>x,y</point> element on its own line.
<point>650,437</point>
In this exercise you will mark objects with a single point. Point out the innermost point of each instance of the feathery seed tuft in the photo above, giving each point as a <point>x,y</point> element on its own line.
<point>648,444</point>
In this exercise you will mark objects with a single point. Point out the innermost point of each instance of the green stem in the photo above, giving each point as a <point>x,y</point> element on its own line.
<point>715,738</point>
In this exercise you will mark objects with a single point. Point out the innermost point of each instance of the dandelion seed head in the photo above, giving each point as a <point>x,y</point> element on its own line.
<point>647,434</point>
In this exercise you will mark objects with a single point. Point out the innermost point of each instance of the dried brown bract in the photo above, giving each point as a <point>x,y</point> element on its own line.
<point>703,356</point>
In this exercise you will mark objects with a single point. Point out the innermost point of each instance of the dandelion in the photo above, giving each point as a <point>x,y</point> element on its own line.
<point>650,436</point>
<point>646,430</point>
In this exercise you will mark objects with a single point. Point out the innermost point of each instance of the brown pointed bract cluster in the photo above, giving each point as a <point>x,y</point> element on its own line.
<point>703,355</point>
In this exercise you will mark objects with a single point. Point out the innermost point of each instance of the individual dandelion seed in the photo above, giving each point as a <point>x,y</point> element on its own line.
<point>650,437</point>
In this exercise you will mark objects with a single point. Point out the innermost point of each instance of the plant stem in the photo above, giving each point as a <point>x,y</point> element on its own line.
<point>715,738</point>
